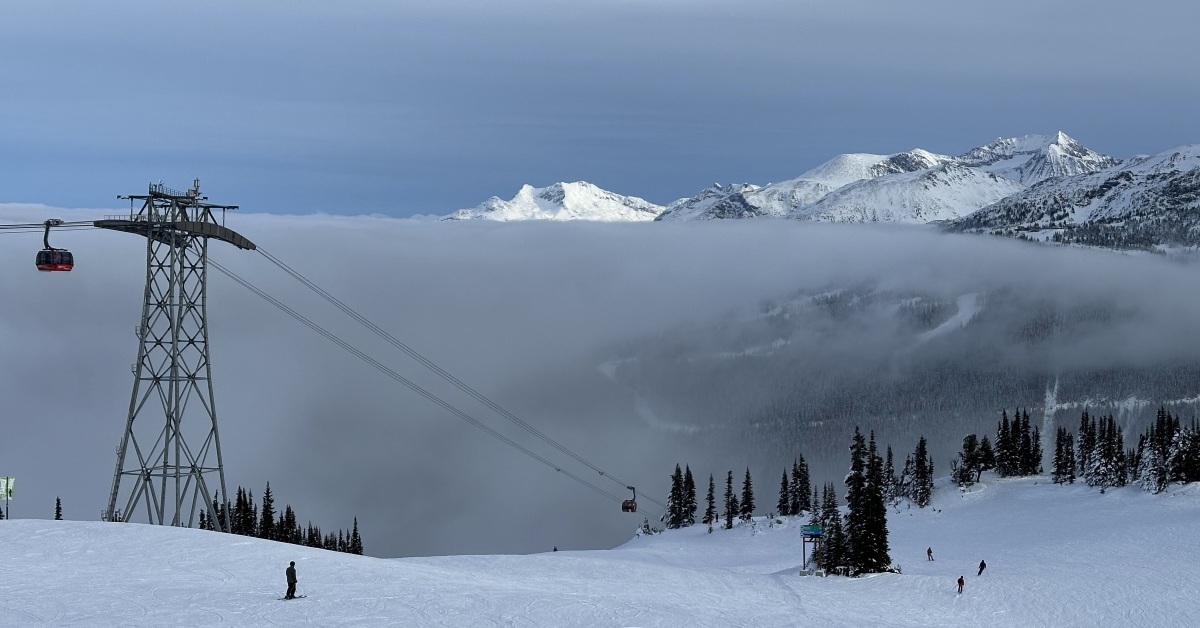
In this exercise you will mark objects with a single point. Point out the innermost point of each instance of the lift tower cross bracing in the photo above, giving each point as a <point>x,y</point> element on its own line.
<point>170,453</point>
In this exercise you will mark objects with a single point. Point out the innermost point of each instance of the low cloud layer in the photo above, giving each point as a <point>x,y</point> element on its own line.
<point>525,313</point>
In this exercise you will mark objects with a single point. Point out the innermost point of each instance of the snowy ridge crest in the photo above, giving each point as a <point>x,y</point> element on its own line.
<point>562,201</point>
<point>1147,201</point>
<point>1041,186</point>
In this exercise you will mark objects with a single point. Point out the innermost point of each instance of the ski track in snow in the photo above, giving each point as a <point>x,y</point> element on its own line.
<point>1057,556</point>
<point>968,306</point>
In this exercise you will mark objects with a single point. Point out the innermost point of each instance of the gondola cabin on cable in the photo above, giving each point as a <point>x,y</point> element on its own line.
<point>630,505</point>
<point>50,258</point>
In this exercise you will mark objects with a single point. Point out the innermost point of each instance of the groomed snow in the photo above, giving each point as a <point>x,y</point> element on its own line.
<point>1057,556</point>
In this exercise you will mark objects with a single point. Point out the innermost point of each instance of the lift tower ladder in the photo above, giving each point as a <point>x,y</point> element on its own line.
<point>163,460</point>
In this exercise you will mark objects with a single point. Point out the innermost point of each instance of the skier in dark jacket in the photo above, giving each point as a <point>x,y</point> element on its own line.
<point>291,580</point>
<point>960,583</point>
<point>929,553</point>
<point>982,566</point>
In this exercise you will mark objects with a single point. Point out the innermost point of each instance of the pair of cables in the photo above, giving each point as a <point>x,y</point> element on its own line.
<point>433,367</point>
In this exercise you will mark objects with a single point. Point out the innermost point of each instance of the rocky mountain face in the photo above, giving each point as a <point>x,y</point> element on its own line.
<point>1146,202</point>
<point>1046,187</point>
<point>911,187</point>
<point>1034,158</point>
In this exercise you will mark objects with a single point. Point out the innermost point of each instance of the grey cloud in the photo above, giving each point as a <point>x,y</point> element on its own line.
<point>525,313</point>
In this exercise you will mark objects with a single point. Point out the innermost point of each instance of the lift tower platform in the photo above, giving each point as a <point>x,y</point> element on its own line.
<point>166,465</point>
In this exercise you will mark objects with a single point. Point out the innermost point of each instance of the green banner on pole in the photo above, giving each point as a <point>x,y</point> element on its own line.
<point>6,488</point>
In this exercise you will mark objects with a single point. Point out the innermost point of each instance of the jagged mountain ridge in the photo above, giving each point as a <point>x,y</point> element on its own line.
<point>1039,186</point>
<point>1034,158</point>
<point>785,198</point>
<point>1145,202</point>
<point>923,196</point>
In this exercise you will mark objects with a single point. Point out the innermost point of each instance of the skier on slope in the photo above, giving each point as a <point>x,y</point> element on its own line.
<point>982,566</point>
<point>960,583</point>
<point>929,553</point>
<point>291,581</point>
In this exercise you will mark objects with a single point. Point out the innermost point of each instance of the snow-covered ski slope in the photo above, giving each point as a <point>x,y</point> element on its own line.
<point>1057,556</point>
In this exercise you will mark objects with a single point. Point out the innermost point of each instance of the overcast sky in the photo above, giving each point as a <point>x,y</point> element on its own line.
<point>427,106</point>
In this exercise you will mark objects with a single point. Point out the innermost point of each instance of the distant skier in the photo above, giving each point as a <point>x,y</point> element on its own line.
<point>960,583</point>
<point>291,580</point>
<point>982,566</point>
<point>929,553</point>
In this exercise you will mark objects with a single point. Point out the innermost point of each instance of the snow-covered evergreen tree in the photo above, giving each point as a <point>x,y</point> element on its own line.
<point>710,510</point>
<point>801,488</point>
<point>834,548</point>
<point>673,516</point>
<point>866,519</point>
<point>747,504</point>
<point>689,498</point>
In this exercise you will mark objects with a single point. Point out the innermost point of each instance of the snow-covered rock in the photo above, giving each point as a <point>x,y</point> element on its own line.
<point>563,201</point>
<point>1144,201</point>
<point>1035,158</point>
<point>945,192</point>
<point>785,198</point>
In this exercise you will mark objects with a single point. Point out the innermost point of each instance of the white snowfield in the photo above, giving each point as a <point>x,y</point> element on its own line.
<point>1057,556</point>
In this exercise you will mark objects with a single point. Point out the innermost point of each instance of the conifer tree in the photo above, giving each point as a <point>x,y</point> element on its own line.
<point>222,519</point>
<point>1183,456</point>
<point>856,523</point>
<point>1107,468</point>
<point>747,504</point>
<point>731,502</point>
<point>801,488</point>
<point>784,507</point>
<point>1005,454</point>
<point>710,510</point>
<point>673,517</point>
<point>266,524</point>
<point>1061,469</point>
<point>58,509</point>
<point>1151,470</point>
<point>922,484</point>
<point>355,546</point>
<point>987,456</point>
<point>968,462</point>
<point>794,490</point>
<point>866,520</point>
<point>834,548</point>
<point>689,498</point>
<point>1028,464</point>
<point>889,478</point>
<point>1087,445</point>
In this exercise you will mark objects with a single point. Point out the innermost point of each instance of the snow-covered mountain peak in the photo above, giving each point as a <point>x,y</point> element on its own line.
<point>844,169</point>
<point>947,191</point>
<point>577,200</point>
<point>714,202</point>
<point>1034,158</point>
<point>1147,200</point>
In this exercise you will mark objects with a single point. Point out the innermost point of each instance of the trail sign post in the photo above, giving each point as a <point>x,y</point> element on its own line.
<point>6,489</point>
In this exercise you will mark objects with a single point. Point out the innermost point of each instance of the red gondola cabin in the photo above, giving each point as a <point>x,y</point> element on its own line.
<point>55,260</point>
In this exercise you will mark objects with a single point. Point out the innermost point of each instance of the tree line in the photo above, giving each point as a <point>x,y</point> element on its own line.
<point>856,543</point>
<point>248,519</point>
<point>1166,453</point>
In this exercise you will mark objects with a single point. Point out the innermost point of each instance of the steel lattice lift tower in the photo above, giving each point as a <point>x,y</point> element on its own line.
<point>166,464</point>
